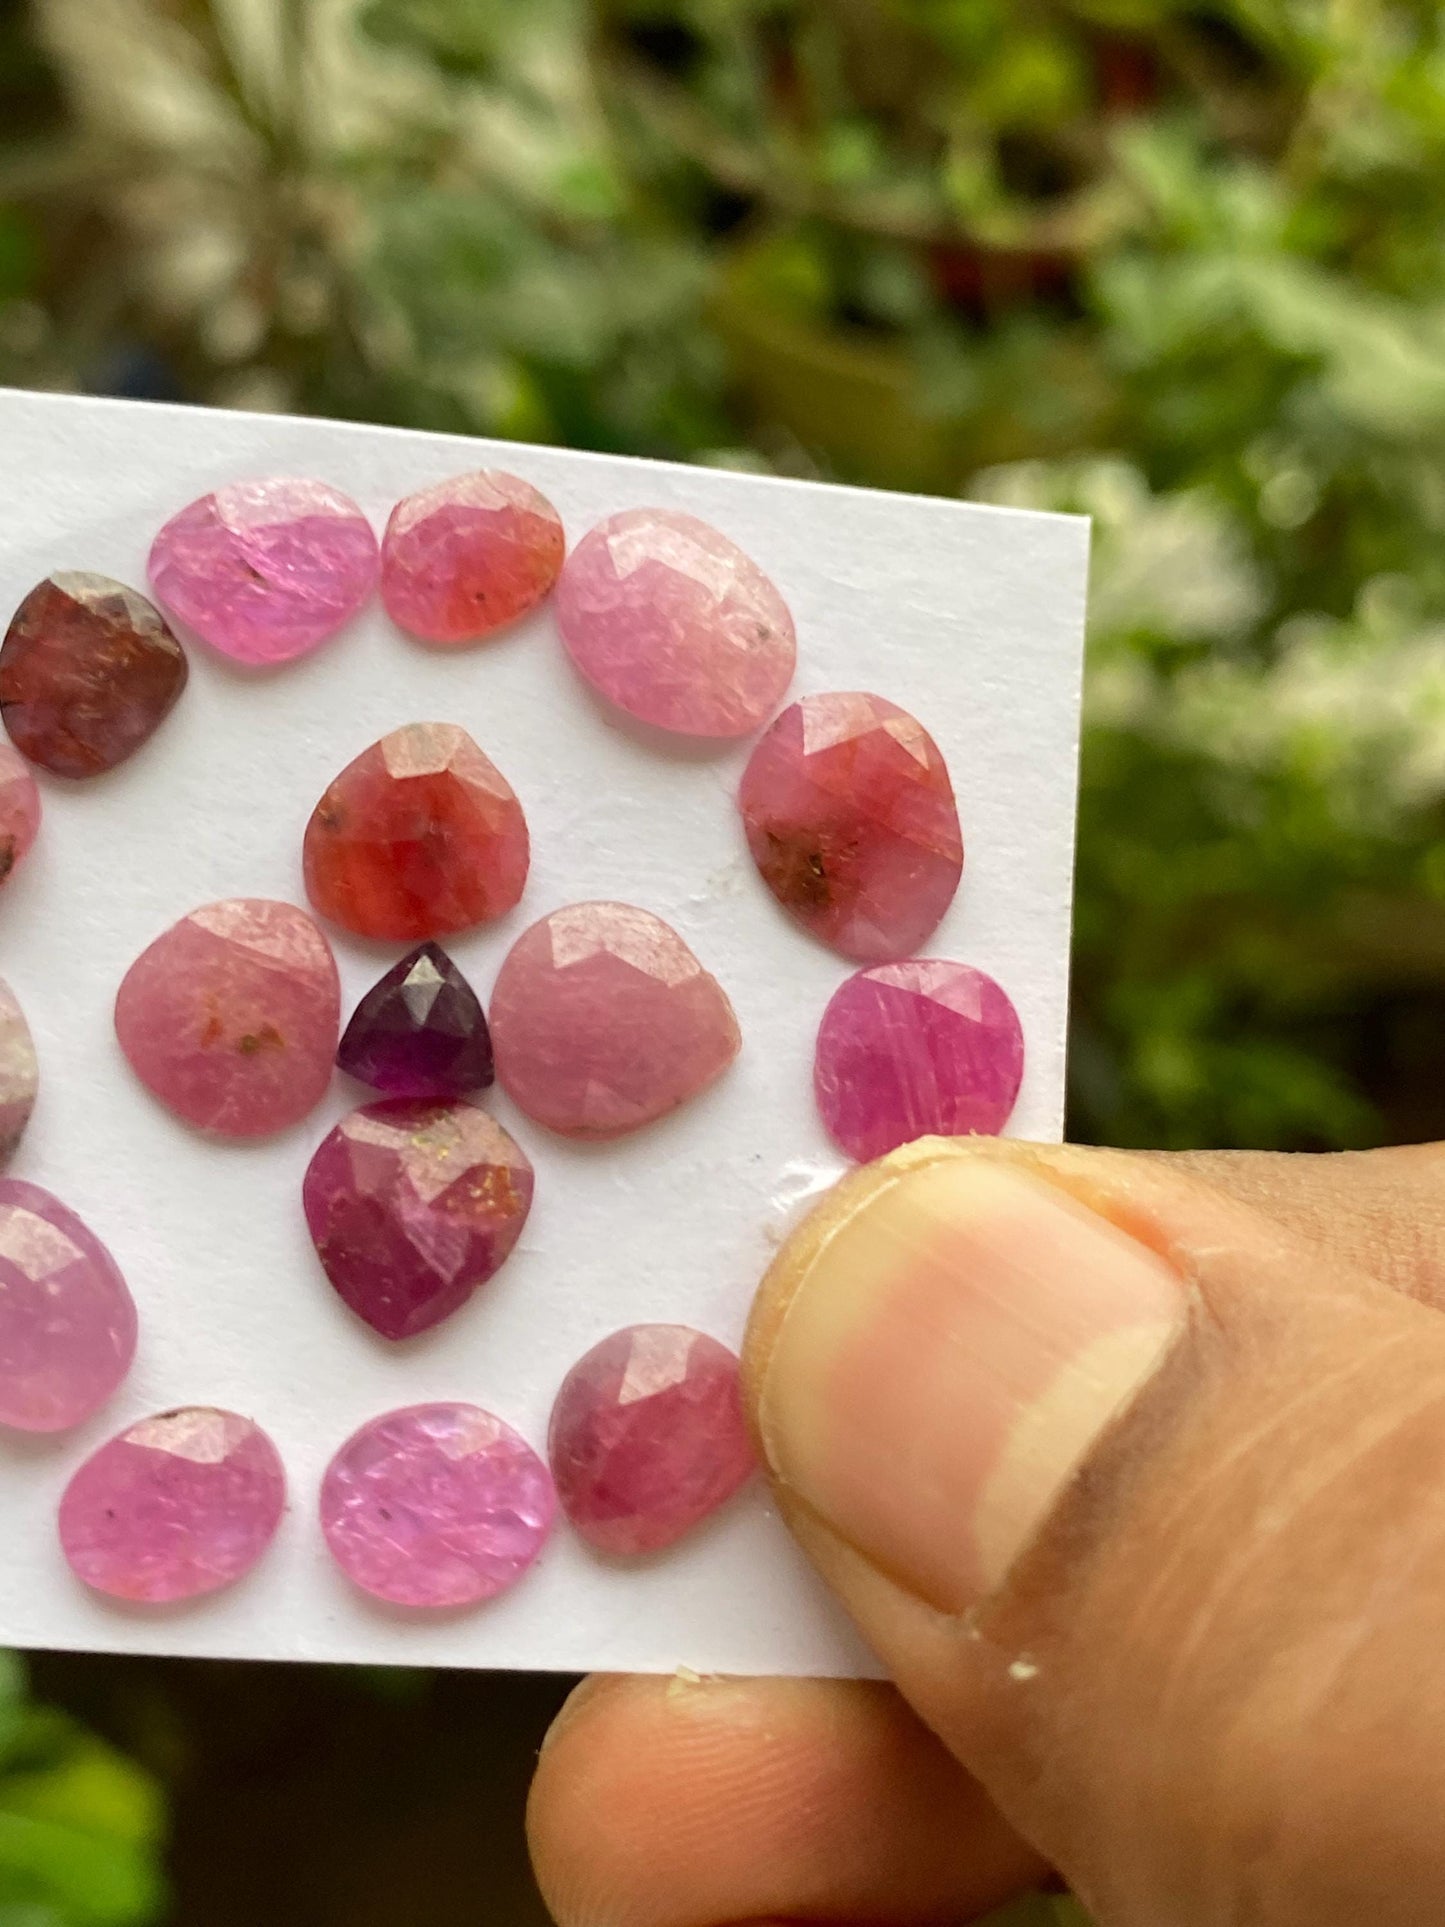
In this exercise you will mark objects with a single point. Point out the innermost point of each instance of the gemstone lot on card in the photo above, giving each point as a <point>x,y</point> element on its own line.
<point>19,809</point>
<point>420,1031</point>
<point>19,1072</point>
<point>466,557</point>
<point>436,1506</point>
<point>174,1507</point>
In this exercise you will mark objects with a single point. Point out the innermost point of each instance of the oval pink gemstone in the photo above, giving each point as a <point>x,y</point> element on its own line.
<point>67,1321</point>
<point>231,1018</point>
<point>463,559</point>
<point>917,1049</point>
<point>436,1505</point>
<point>19,1071</point>
<point>647,1437</point>
<point>264,571</point>
<point>19,808</point>
<point>174,1507</point>
<point>411,1205</point>
<point>603,1019</point>
<point>851,821</point>
<point>673,623</point>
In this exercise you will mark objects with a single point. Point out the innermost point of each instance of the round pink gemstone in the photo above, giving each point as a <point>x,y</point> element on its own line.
<point>917,1049</point>
<point>436,1505</point>
<point>673,623</point>
<point>851,821</point>
<point>67,1321</point>
<point>603,1019</point>
<point>264,571</point>
<point>19,808</point>
<point>411,1205</point>
<point>468,556</point>
<point>231,1018</point>
<point>647,1437</point>
<point>176,1506</point>
<point>19,1071</point>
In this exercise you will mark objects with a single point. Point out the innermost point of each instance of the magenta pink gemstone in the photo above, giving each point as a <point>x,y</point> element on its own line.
<point>917,1049</point>
<point>672,622</point>
<point>67,1321</point>
<point>648,1437</point>
<point>851,820</point>
<point>436,1506</point>
<point>411,1206</point>
<point>264,571</point>
<point>19,808</point>
<point>603,1019</point>
<point>19,1072</point>
<point>464,558</point>
<point>231,1018</point>
<point>174,1507</point>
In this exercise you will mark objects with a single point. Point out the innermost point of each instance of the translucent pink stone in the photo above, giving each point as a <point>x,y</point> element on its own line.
<point>647,1437</point>
<point>176,1506</point>
<point>603,1019</point>
<point>917,1049</point>
<point>851,821</point>
<point>461,560</point>
<point>231,1018</point>
<point>19,1071</point>
<point>411,1205</point>
<point>437,1506</point>
<point>673,623</point>
<point>67,1321</point>
<point>19,808</point>
<point>264,571</point>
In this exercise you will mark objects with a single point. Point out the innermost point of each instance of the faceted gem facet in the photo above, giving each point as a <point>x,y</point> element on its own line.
<point>88,671</point>
<point>673,623</point>
<point>851,821</point>
<point>468,556</point>
<point>175,1506</point>
<point>421,835</point>
<point>412,1205</point>
<point>419,1032</point>
<point>603,1019</point>
<point>19,809</point>
<point>19,1071</point>
<point>231,1017</point>
<point>264,571</point>
<point>917,1049</point>
<point>647,1437</point>
<point>67,1321</point>
<point>436,1505</point>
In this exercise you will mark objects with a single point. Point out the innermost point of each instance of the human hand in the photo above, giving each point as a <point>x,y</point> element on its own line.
<point>1132,1471</point>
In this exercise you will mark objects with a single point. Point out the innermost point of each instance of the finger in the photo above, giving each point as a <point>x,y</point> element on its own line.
<point>669,1802</point>
<point>1140,1497</point>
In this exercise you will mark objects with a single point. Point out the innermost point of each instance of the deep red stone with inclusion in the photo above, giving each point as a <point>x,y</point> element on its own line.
<point>421,835</point>
<point>850,817</point>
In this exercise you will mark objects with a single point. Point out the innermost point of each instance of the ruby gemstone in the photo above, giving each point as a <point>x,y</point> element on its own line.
<point>420,1031</point>
<point>174,1507</point>
<point>436,1506</point>
<point>669,619</point>
<point>231,1017</point>
<point>850,817</point>
<point>917,1049</point>
<point>603,1019</point>
<point>88,672</point>
<point>19,1071</point>
<point>462,559</point>
<point>19,809</point>
<point>421,835</point>
<point>647,1437</point>
<point>411,1206</point>
<point>67,1321</point>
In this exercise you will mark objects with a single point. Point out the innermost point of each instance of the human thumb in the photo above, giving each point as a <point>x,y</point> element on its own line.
<point>1141,1499</point>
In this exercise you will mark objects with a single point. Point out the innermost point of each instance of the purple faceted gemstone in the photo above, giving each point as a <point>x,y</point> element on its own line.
<point>420,1032</point>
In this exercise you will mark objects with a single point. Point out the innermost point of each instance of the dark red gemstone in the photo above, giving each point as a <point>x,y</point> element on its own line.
<point>420,1031</point>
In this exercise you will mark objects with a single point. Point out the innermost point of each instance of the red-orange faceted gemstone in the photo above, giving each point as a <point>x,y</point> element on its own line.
<point>421,835</point>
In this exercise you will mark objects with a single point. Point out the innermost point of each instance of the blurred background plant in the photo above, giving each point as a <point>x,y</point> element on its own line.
<point>1177,263</point>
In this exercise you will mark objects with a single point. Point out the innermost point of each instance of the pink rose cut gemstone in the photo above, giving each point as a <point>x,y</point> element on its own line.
<point>851,821</point>
<point>603,1019</point>
<point>264,571</point>
<point>673,623</point>
<point>436,1506</point>
<point>917,1049</point>
<point>177,1506</point>
<point>19,808</point>
<point>411,1205</point>
<point>465,558</point>
<point>647,1437</point>
<point>231,1018</point>
<point>67,1322</point>
<point>19,1072</point>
